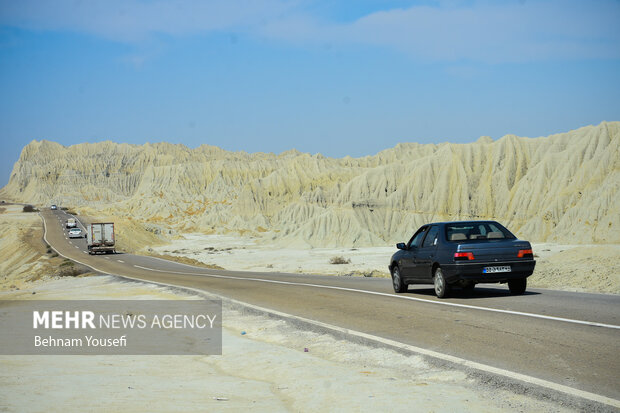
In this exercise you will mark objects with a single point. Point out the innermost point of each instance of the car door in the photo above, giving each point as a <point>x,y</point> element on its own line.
<point>407,262</point>
<point>425,255</point>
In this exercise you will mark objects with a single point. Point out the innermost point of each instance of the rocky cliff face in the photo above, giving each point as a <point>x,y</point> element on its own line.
<point>560,188</point>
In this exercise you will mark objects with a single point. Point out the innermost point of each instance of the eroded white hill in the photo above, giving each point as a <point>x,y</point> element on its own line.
<point>561,188</point>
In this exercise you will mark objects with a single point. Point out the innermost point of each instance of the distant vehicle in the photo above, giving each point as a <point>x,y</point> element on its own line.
<point>70,223</point>
<point>100,237</point>
<point>449,254</point>
<point>75,233</point>
<point>53,207</point>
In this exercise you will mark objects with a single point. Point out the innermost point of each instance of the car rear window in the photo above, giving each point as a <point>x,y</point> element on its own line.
<point>476,231</point>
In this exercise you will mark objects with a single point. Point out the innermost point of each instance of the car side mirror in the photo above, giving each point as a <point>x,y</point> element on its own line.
<point>401,246</point>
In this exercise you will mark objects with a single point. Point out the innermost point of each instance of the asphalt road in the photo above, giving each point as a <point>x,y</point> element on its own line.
<point>572,339</point>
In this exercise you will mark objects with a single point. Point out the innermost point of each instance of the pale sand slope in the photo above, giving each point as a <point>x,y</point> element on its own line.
<point>562,188</point>
<point>17,262</point>
<point>594,268</point>
<point>264,370</point>
<point>23,254</point>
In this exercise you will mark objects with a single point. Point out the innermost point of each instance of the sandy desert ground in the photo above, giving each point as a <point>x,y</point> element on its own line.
<point>265,369</point>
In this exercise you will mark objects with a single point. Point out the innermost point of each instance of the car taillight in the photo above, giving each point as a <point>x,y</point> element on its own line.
<point>463,256</point>
<point>525,253</point>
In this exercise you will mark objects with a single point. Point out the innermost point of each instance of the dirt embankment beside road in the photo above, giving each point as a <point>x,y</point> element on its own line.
<point>24,256</point>
<point>137,238</point>
<point>131,237</point>
<point>592,268</point>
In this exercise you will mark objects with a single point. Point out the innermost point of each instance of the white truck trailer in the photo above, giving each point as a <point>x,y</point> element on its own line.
<point>100,237</point>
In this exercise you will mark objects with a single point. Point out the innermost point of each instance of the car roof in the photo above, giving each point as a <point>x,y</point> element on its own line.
<point>461,222</point>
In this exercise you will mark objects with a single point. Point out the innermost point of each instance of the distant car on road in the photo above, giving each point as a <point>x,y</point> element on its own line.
<point>449,254</point>
<point>75,233</point>
<point>70,223</point>
<point>53,207</point>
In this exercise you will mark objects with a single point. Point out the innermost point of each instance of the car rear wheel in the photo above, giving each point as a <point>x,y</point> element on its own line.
<point>397,281</point>
<point>517,287</point>
<point>442,288</point>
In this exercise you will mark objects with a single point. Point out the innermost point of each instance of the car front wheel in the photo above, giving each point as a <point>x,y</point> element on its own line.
<point>442,288</point>
<point>397,281</point>
<point>517,287</point>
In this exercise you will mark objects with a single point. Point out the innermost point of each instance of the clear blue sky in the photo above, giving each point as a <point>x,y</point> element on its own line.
<point>335,77</point>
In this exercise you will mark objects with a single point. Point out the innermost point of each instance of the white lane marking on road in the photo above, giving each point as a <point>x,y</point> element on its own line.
<point>495,310</point>
<point>121,261</point>
<point>482,367</point>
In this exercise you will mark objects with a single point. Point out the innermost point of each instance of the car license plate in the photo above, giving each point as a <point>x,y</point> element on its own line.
<point>490,270</point>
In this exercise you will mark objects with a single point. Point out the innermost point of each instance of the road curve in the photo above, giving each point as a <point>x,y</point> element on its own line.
<point>572,339</point>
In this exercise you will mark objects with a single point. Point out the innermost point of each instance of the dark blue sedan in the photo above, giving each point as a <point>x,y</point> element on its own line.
<point>462,254</point>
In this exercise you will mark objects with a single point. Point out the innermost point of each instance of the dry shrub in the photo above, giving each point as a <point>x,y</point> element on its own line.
<point>68,269</point>
<point>339,260</point>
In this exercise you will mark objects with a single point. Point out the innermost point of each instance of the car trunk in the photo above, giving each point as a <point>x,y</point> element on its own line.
<point>494,249</point>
